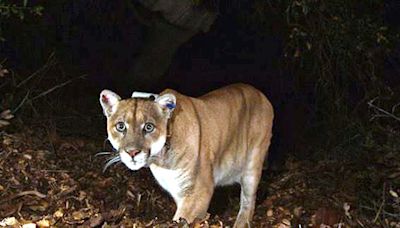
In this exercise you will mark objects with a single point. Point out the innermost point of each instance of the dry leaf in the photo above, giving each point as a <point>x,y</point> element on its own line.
<point>96,220</point>
<point>327,216</point>
<point>394,194</point>
<point>394,175</point>
<point>29,225</point>
<point>82,195</point>
<point>58,214</point>
<point>270,212</point>
<point>346,208</point>
<point>3,72</point>
<point>42,206</point>
<point>27,156</point>
<point>6,114</point>
<point>298,212</point>
<point>10,221</point>
<point>4,123</point>
<point>285,223</point>
<point>78,215</point>
<point>297,53</point>
<point>43,223</point>
<point>7,140</point>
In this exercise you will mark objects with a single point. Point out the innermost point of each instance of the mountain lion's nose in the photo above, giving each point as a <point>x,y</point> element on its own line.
<point>133,152</point>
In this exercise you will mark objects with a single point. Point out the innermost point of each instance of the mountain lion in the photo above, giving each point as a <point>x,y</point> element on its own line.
<point>192,145</point>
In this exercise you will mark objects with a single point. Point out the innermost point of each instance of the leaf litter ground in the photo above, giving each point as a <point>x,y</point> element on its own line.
<point>61,184</point>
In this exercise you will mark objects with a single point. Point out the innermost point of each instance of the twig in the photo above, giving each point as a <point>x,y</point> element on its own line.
<point>7,7</point>
<point>51,90</point>
<point>21,103</point>
<point>56,171</point>
<point>66,192</point>
<point>55,88</point>
<point>360,223</point>
<point>379,211</point>
<point>24,193</point>
<point>31,192</point>
<point>383,212</point>
<point>381,206</point>
<point>50,62</point>
<point>386,113</point>
<point>394,107</point>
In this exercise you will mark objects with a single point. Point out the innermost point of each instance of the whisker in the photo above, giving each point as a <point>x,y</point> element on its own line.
<point>103,153</point>
<point>111,161</point>
<point>105,142</point>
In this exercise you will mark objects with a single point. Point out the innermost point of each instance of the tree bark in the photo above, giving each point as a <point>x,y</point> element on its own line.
<point>169,24</point>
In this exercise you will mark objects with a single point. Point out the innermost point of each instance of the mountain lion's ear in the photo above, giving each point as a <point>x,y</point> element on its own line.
<point>167,102</point>
<point>108,100</point>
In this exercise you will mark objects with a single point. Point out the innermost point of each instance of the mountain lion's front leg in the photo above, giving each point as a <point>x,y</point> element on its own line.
<point>194,205</point>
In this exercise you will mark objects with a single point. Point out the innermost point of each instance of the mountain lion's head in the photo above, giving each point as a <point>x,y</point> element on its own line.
<point>137,127</point>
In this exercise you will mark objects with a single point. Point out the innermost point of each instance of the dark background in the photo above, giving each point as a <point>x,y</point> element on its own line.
<point>106,40</point>
<point>330,68</point>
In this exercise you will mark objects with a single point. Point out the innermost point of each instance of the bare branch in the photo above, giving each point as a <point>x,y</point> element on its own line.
<point>383,113</point>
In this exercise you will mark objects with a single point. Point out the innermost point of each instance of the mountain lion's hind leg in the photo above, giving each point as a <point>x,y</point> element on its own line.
<point>249,183</point>
<point>248,192</point>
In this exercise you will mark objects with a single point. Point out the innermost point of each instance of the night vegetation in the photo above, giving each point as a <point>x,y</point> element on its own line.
<point>330,68</point>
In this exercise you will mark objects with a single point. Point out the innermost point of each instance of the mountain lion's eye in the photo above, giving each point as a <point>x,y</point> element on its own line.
<point>148,127</point>
<point>120,126</point>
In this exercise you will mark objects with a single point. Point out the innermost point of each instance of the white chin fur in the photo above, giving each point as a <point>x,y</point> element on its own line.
<point>157,146</point>
<point>136,163</point>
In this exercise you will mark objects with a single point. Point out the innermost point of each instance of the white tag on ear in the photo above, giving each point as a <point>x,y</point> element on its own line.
<point>137,94</point>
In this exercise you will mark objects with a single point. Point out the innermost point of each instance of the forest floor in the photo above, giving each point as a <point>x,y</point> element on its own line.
<point>55,181</point>
<point>50,177</point>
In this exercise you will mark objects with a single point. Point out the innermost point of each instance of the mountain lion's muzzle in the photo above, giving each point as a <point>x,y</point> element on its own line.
<point>133,152</point>
<point>134,158</point>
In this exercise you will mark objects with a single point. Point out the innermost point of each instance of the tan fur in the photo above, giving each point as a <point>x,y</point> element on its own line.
<point>220,138</point>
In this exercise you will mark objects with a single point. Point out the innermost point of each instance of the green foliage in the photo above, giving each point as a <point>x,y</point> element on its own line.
<point>336,48</point>
<point>338,44</point>
<point>339,47</point>
<point>330,44</point>
<point>9,10</point>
